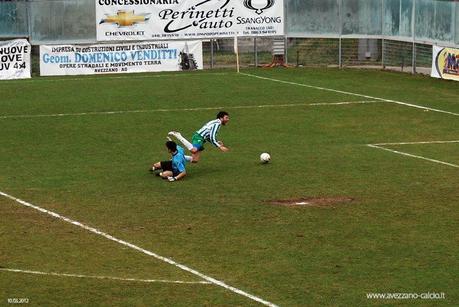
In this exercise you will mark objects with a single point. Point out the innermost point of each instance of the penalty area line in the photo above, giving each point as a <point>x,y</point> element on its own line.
<point>352,94</point>
<point>415,143</point>
<point>412,156</point>
<point>105,277</point>
<point>142,250</point>
<point>190,109</point>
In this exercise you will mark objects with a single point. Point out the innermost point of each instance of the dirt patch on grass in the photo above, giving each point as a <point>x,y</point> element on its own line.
<point>312,201</point>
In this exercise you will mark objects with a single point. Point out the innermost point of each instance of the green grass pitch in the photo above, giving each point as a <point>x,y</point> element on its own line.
<point>81,147</point>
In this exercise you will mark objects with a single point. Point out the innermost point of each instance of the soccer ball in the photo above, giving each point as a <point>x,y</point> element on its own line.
<point>265,157</point>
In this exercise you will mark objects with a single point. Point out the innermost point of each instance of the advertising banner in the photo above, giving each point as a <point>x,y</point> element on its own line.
<point>445,63</point>
<point>187,19</point>
<point>120,58</point>
<point>14,59</point>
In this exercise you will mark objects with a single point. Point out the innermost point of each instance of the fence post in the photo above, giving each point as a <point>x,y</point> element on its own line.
<point>413,34</point>
<point>382,34</point>
<point>382,53</point>
<point>255,51</point>
<point>340,64</point>
<point>340,13</point>
<point>286,50</point>
<point>297,58</point>
<point>211,53</point>
<point>456,23</point>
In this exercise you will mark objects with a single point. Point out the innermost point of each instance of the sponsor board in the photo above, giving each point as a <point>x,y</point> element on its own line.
<point>14,59</point>
<point>187,19</point>
<point>120,58</point>
<point>445,63</point>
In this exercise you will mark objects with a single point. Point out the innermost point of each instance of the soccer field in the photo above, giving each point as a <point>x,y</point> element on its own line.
<point>373,157</point>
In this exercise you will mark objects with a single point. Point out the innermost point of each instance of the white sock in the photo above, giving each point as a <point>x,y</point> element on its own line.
<point>189,158</point>
<point>184,141</point>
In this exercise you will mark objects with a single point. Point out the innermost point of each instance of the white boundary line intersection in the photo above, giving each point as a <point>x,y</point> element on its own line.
<point>170,261</point>
<point>368,97</point>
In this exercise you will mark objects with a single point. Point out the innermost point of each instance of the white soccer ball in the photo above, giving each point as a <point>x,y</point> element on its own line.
<point>265,157</point>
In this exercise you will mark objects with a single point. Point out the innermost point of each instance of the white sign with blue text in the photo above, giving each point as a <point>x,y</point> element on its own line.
<point>120,58</point>
<point>187,19</point>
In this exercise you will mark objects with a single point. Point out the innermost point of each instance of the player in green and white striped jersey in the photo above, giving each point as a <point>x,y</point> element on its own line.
<point>207,133</point>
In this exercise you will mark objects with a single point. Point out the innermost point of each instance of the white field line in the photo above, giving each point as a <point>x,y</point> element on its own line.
<point>105,277</point>
<point>105,77</point>
<point>353,94</point>
<point>412,156</point>
<point>142,250</point>
<point>189,109</point>
<point>415,143</point>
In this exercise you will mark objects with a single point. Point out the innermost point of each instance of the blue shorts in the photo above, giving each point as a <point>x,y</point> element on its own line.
<point>198,146</point>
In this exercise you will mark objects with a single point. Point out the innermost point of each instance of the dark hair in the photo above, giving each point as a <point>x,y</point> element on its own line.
<point>221,114</point>
<point>172,146</point>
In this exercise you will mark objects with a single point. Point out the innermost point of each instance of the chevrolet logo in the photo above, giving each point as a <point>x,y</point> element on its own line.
<point>125,18</point>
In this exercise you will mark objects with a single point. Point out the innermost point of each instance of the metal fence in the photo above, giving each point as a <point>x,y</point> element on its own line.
<point>316,52</point>
<point>391,34</point>
<point>432,21</point>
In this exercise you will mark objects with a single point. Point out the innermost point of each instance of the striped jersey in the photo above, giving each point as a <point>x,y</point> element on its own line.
<point>209,131</point>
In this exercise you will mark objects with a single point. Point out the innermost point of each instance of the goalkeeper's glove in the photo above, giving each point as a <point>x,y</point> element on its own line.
<point>171,179</point>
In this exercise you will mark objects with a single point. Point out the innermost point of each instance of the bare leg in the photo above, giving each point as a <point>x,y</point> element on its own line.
<point>165,174</point>
<point>155,166</point>
<point>195,154</point>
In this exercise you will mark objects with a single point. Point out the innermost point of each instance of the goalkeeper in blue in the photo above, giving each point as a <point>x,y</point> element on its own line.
<point>174,169</point>
<point>207,133</point>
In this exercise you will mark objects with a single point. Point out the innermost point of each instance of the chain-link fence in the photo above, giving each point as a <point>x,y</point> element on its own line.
<point>329,52</point>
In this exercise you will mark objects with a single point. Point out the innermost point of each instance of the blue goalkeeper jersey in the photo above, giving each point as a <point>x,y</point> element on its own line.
<point>178,161</point>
